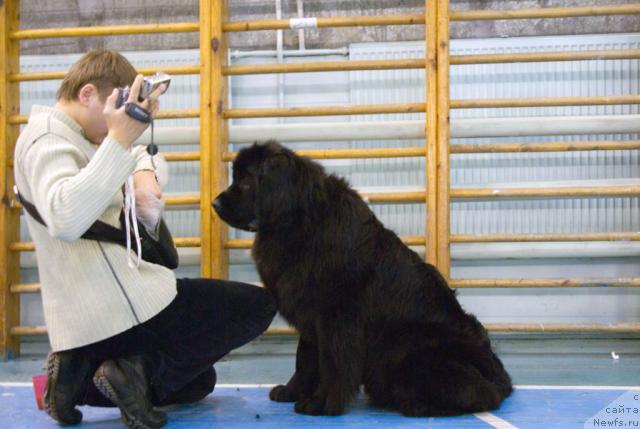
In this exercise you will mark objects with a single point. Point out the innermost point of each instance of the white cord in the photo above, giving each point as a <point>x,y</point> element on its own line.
<point>130,215</point>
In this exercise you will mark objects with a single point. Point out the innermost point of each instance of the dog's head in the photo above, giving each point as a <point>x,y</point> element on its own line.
<point>271,185</point>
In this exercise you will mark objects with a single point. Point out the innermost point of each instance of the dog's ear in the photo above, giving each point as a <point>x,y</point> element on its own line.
<point>288,185</point>
<point>277,184</point>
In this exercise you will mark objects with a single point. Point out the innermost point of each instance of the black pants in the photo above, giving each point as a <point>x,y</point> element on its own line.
<point>207,319</point>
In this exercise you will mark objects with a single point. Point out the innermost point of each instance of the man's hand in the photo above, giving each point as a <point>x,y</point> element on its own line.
<point>145,180</point>
<point>149,209</point>
<point>123,128</point>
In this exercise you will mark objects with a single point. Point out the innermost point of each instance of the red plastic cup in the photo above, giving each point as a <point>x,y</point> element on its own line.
<point>39,384</point>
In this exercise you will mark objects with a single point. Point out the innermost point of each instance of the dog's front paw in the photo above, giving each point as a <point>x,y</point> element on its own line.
<point>282,393</point>
<point>312,406</point>
<point>319,406</point>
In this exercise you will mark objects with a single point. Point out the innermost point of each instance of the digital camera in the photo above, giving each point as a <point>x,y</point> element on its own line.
<point>149,84</point>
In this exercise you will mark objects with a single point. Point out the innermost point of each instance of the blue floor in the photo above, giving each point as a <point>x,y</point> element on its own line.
<point>249,407</point>
<point>530,361</point>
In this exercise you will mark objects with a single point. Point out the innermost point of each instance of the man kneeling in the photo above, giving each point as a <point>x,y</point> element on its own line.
<point>131,337</point>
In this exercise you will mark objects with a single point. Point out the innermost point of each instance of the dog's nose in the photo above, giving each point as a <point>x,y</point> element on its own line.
<point>217,205</point>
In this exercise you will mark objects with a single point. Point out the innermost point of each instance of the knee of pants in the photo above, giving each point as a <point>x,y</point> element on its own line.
<point>212,380</point>
<point>268,308</point>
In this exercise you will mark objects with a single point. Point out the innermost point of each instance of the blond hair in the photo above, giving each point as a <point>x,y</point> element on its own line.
<point>103,68</point>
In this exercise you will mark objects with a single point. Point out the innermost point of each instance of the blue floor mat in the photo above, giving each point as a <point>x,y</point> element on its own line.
<point>249,407</point>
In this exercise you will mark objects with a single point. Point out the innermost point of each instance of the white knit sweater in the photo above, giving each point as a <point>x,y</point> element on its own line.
<point>88,291</point>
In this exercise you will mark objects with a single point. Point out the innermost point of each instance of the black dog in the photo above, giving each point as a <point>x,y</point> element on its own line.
<point>368,309</point>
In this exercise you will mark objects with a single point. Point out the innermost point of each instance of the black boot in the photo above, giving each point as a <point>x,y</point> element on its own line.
<point>68,373</point>
<point>124,381</point>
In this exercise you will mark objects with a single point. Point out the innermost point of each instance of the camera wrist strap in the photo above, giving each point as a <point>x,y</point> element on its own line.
<point>152,148</point>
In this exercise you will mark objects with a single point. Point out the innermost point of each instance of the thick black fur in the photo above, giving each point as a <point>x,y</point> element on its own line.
<point>369,310</point>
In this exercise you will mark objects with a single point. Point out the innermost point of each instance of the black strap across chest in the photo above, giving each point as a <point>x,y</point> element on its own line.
<point>99,231</point>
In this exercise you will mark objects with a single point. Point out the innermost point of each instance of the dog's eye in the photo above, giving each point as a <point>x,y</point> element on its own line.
<point>245,187</point>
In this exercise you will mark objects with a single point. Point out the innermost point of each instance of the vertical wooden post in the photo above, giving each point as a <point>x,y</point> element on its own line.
<point>9,216</point>
<point>206,124</point>
<point>220,144</point>
<point>431,162</point>
<point>443,131</point>
<point>213,135</point>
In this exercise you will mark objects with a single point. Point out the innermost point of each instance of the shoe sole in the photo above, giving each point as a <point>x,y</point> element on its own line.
<point>53,368</point>
<point>48,401</point>
<point>103,385</point>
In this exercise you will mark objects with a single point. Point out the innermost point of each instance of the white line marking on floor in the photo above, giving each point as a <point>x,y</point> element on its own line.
<point>535,387</point>
<point>16,384</point>
<point>495,421</point>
